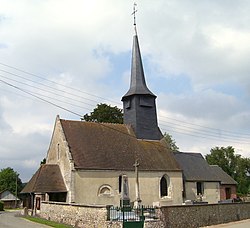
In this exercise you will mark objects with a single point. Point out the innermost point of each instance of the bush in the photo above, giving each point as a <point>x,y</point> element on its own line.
<point>1,206</point>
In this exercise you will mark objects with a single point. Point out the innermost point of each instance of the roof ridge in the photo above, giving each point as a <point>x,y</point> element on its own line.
<point>80,121</point>
<point>182,152</point>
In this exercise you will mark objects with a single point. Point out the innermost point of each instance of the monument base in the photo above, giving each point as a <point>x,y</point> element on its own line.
<point>125,204</point>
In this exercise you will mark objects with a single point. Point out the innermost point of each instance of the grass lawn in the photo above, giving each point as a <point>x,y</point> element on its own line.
<point>47,222</point>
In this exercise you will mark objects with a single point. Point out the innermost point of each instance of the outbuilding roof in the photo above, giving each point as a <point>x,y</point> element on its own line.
<point>48,178</point>
<point>105,146</point>
<point>222,175</point>
<point>195,167</point>
<point>7,195</point>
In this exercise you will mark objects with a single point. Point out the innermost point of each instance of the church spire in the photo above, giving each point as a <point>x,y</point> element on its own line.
<point>138,82</point>
<point>139,102</point>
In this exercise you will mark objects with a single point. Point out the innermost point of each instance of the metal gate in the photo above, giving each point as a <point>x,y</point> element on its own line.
<point>131,217</point>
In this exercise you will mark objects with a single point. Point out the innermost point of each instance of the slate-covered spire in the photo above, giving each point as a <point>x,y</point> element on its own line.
<point>137,83</point>
<point>139,102</point>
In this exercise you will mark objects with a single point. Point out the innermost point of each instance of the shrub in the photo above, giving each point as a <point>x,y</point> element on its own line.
<point>1,206</point>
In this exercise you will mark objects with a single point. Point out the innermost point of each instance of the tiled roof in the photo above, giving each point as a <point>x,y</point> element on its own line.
<point>222,175</point>
<point>114,147</point>
<point>7,195</point>
<point>48,178</point>
<point>195,167</point>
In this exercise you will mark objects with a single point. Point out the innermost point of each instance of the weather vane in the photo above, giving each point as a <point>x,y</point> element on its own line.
<point>134,11</point>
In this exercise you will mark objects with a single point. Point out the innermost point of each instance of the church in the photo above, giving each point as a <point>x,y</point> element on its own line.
<point>87,161</point>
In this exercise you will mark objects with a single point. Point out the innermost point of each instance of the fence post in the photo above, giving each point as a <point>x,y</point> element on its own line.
<point>108,208</point>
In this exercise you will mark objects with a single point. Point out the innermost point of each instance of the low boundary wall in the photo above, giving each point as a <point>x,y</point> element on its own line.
<point>169,217</point>
<point>75,215</point>
<point>203,215</point>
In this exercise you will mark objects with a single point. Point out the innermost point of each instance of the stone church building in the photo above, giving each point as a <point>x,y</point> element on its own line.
<point>86,161</point>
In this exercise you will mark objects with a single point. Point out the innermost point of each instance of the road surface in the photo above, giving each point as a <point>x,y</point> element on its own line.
<point>9,220</point>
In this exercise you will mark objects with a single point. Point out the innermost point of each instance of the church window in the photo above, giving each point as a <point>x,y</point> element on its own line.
<point>105,190</point>
<point>120,183</point>
<point>164,184</point>
<point>200,188</point>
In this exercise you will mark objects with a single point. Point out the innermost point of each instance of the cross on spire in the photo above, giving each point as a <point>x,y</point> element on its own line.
<point>134,11</point>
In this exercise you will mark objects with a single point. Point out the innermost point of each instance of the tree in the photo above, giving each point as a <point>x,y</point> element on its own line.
<point>171,142</point>
<point>43,161</point>
<point>242,175</point>
<point>224,157</point>
<point>233,164</point>
<point>104,113</point>
<point>9,179</point>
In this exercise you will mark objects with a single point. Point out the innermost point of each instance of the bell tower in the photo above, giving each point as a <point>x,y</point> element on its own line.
<point>139,102</point>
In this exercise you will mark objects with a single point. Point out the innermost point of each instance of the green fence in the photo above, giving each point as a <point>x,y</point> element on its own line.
<point>131,217</point>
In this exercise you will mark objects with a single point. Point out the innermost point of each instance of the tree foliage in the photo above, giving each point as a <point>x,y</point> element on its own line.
<point>171,142</point>
<point>104,113</point>
<point>233,164</point>
<point>43,161</point>
<point>8,180</point>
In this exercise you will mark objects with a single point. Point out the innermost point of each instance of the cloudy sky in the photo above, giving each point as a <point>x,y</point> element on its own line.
<point>62,57</point>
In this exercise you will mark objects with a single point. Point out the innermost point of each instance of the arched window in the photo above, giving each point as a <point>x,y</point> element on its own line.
<point>120,183</point>
<point>105,190</point>
<point>164,184</point>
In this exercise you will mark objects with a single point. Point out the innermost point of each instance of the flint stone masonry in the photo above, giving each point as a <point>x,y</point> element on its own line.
<point>183,216</point>
<point>83,216</point>
<point>74,215</point>
<point>203,215</point>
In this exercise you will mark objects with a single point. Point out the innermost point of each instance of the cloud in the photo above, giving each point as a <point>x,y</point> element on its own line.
<point>207,41</point>
<point>211,105</point>
<point>4,126</point>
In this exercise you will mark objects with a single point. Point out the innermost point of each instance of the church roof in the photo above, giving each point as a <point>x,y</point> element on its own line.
<point>195,167</point>
<point>48,178</point>
<point>137,83</point>
<point>222,175</point>
<point>104,146</point>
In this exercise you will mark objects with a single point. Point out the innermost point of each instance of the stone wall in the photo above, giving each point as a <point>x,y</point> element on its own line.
<point>170,216</point>
<point>203,215</point>
<point>83,216</point>
<point>74,215</point>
